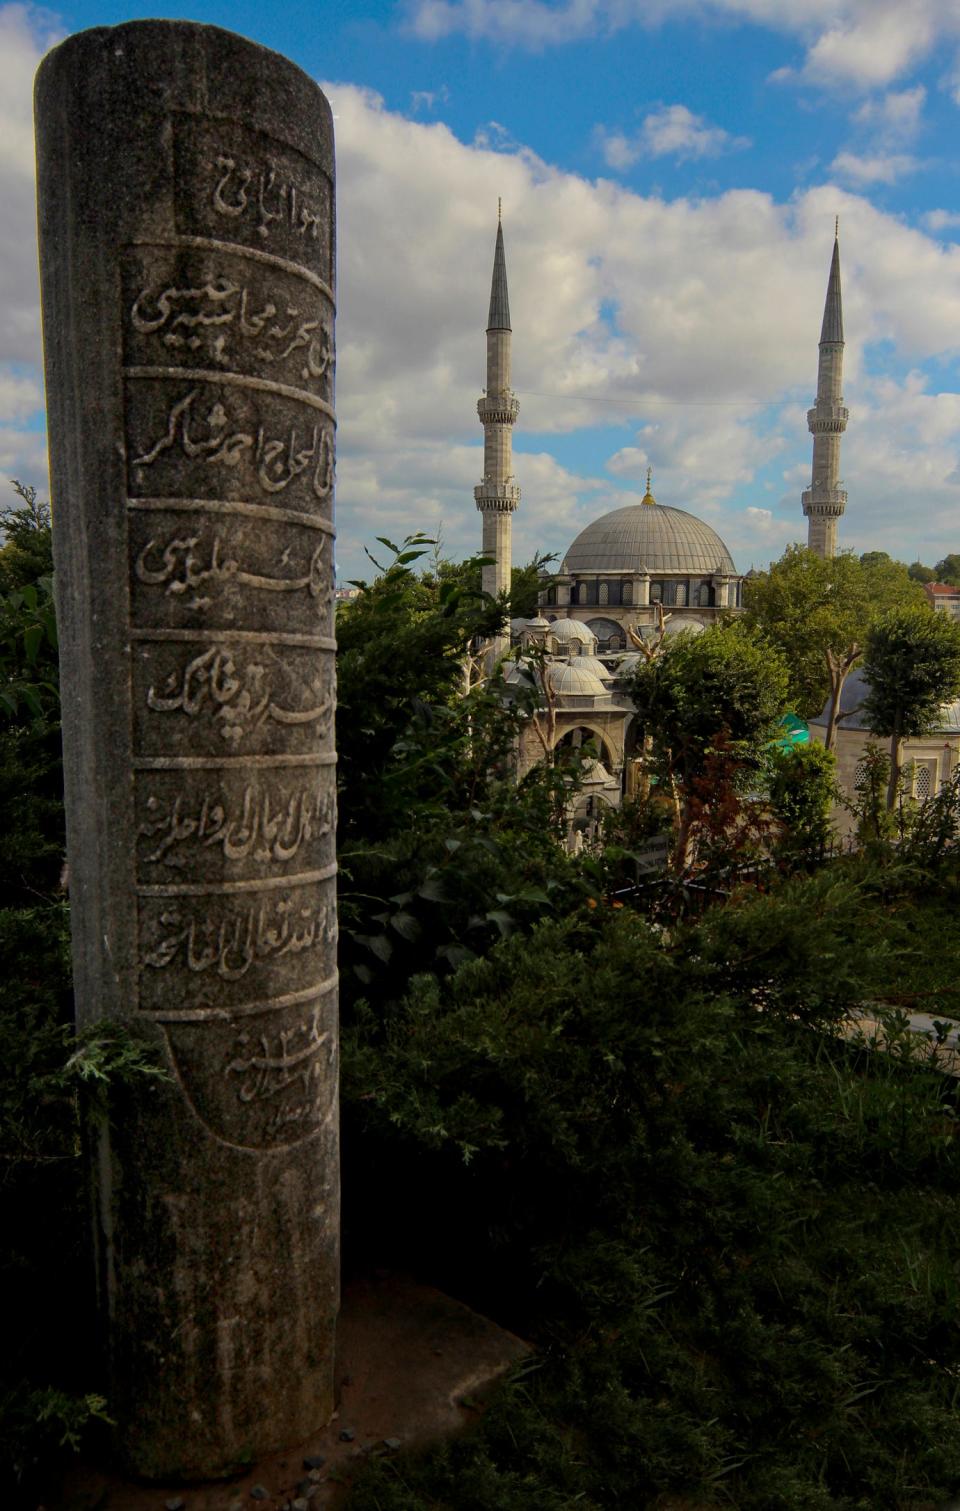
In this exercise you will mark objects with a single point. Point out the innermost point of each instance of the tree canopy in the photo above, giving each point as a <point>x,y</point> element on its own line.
<point>818,611</point>
<point>912,666</point>
<point>709,704</point>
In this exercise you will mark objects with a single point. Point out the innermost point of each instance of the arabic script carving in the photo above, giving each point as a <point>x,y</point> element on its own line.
<point>178,567</point>
<point>238,697</point>
<point>266,193</point>
<point>248,935</point>
<point>258,827</point>
<point>278,459</point>
<point>264,1081</point>
<point>233,326</point>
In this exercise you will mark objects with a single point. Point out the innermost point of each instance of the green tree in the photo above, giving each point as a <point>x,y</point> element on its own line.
<point>710,703</point>
<point>817,612</point>
<point>27,552</point>
<point>801,787</point>
<point>441,850</point>
<point>912,665</point>
<point>917,572</point>
<point>524,581</point>
<point>948,570</point>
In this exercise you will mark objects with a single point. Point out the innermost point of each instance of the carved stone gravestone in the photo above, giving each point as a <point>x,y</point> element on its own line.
<point>186,201</point>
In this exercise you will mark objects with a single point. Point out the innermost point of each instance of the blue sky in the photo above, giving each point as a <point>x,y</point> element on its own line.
<point>669,173</point>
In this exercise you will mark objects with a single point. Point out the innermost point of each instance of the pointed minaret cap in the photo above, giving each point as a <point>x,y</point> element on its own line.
<point>832,328</point>
<point>648,497</point>
<point>499,317</point>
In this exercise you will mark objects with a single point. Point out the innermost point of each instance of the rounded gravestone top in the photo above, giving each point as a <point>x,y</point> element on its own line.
<point>648,538</point>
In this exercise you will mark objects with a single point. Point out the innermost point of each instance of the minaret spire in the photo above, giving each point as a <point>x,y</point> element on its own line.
<point>825,500</point>
<point>498,495</point>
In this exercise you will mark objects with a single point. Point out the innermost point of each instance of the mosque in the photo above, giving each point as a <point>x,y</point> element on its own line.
<point>629,575</point>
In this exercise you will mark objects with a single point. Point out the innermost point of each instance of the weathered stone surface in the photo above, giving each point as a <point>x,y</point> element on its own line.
<point>186,201</point>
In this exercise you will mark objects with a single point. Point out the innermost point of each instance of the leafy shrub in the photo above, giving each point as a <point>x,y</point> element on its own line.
<point>724,1229</point>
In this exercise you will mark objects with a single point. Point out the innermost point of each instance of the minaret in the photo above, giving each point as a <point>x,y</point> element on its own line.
<point>498,495</point>
<point>825,500</point>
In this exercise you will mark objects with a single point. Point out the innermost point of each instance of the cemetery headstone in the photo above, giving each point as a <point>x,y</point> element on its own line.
<point>186,207</point>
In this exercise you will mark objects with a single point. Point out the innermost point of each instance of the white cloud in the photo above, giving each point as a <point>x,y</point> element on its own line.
<point>25,33</point>
<point>868,43</point>
<point>684,322</point>
<point>24,36</point>
<point>668,131</point>
<point>941,220</point>
<point>879,169</point>
<point>876,43</point>
<point>894,116</point>
<point>428,99</point>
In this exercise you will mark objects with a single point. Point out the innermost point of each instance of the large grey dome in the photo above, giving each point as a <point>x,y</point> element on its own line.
<point>648,538</point>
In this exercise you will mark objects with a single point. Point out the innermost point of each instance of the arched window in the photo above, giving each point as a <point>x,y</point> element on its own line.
<point>626,593</point>
<point>552,594</point>
<point>656,592</point>
<point>706,596</point>
<point>606,631</point>
<point>603,595</point>
<point>681,598</point>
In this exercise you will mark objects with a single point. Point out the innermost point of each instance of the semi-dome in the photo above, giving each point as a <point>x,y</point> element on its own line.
<point>648,538</point>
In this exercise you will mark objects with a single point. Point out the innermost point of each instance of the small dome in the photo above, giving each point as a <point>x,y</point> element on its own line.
<point>592,664</point>
<point>628,663</point>
<point>537,624</point>
<point>567,678</point>
<point>648,537</point>
<point>572,629</point>
<point>680,626</point>
<point>520,671</point>
<point>517,626</point>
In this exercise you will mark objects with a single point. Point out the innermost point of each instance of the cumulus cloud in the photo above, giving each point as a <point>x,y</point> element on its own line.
<point>24,37</point>
<point>941,220</point>
<point>880,169</point>
<point>668,131</point>
<point>894,116</point>
<point>25,34</point>
<point>883,127</point>
<point>868,43</point>
<point>690,327</point>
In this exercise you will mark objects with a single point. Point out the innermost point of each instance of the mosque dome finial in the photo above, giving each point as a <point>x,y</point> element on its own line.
<point>648,497</point>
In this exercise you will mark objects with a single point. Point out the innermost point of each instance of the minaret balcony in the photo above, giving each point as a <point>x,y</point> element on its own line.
<point>498,409</point>
<point>826,502</point>
<point>827,419</point>
<point>501,498</point>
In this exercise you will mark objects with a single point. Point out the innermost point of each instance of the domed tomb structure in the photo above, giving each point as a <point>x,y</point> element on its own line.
<point>625,563</point>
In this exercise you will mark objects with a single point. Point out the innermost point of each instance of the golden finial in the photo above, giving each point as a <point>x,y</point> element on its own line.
<point>648,497</point>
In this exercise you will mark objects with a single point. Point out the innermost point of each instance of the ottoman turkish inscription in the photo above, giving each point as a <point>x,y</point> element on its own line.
<point>187,217</point>
<point>228,403</point>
